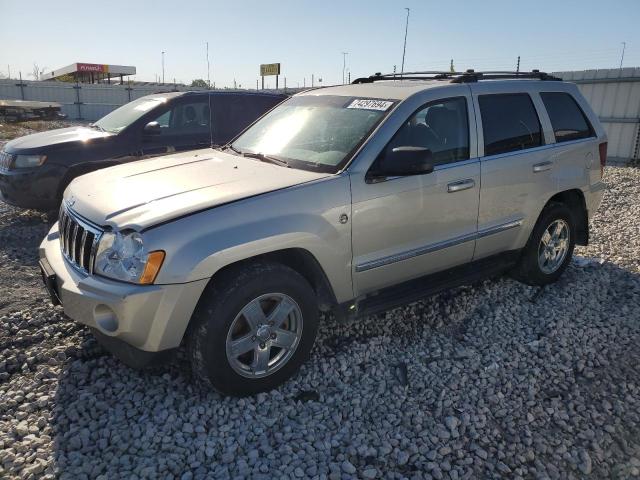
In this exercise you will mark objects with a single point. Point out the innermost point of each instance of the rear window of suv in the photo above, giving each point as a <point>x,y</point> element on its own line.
<point>567,118</point>
<point>509,122</point>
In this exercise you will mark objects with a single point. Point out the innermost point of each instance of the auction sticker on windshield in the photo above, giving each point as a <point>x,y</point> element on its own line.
<point>368,104</point>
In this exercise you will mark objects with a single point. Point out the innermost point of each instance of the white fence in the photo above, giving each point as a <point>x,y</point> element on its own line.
<point>86,101</point>
<point>81,101</point>
<point>614,94</point>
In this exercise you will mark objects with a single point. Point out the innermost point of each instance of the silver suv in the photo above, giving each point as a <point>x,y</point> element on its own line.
<point>352,199</point>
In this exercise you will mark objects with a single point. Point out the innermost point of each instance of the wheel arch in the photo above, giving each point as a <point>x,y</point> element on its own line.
<point>298,259</point>
<point>575,200</point>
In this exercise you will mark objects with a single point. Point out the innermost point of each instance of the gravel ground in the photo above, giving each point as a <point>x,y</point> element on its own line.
<point>497,380</point>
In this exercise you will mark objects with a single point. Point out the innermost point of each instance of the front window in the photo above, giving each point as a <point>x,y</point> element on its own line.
<point>314,132</point>
<point>124,116</point>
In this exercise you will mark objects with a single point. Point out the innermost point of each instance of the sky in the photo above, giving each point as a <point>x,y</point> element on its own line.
<point>308,37</point>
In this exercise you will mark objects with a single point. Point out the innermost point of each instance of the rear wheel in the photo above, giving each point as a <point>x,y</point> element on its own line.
<point>253,328</point>
<point>550,247</point>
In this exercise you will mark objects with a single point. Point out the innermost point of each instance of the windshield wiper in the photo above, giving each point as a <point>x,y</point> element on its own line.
<point>232,148</point>
<point>97,127</point>
<point>266,158</point>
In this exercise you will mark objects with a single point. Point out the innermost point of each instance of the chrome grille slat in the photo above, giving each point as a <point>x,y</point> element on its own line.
<point>72,242</point>
<point>78,240</point>
<point>66,236</point>
<point>82,248</point>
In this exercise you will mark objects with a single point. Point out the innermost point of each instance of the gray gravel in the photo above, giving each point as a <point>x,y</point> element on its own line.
<point>490,381</point>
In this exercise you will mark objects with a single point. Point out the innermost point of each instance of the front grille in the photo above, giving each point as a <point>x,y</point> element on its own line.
<point>78,240</point>
<point>5,160</point>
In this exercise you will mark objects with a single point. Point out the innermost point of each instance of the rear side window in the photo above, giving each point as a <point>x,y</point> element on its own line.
<point>567,119</point>
<point>509,123</point>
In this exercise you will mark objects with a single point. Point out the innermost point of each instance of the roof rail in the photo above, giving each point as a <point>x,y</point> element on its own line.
<point>457,77</point>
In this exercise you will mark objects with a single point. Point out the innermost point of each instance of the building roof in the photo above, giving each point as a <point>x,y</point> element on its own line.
<point>79,67</point>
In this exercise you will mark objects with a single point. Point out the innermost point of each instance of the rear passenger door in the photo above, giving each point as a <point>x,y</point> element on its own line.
<point>516,164</point>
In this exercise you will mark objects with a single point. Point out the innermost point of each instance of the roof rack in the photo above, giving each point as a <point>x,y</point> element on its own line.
<point>457,77</point>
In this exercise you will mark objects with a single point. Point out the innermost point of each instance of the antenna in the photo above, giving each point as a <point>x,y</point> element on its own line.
<point>404,49</point>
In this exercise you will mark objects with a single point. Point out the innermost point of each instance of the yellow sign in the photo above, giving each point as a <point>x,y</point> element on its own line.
<point>269,69</point>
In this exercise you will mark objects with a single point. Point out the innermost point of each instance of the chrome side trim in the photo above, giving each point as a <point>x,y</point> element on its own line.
<point>398,257</point>
<point>498,228</point>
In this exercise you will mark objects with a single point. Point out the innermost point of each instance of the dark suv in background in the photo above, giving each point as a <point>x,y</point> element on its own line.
<point>36,169</point>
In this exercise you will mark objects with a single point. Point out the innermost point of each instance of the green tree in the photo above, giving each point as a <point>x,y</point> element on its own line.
<point>198,82</point>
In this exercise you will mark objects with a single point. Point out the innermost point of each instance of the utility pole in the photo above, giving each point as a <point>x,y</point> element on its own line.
<point>404,49</point>
<point>624,45</point>
<point>312,80</point>
<point>9,70</point>
<point>344,64</point>
<point>518,66</point>
<point>208,69</point>
<point>163,52</point>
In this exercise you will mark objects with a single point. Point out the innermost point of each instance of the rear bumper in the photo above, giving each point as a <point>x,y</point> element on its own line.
<point>150,318</point>
<point>35,188</point>
<point>594,197</point>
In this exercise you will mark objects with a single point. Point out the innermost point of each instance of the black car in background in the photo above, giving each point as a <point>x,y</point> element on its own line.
<point>36,169</point>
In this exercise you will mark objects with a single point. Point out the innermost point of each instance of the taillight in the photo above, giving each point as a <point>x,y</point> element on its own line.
<point>603,157</point>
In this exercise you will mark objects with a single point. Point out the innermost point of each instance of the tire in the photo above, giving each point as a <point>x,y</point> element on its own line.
<point>532,269</point>
<point>219,322</point>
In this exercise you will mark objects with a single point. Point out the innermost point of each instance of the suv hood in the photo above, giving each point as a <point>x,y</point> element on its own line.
<point>37,141</point>
<point>147,192</point>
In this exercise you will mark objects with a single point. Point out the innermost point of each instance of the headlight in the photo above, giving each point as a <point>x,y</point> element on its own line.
<point>28,161</point>
<point>123,257</point>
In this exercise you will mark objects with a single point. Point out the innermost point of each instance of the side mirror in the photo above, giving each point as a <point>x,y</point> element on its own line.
<point>403,162</point>
<point>152,128</point>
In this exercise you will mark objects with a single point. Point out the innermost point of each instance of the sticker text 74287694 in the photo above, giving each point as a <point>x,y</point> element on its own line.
<point>370,104</point>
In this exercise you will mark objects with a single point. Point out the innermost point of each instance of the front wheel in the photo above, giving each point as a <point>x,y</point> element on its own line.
<point>550,247</point>
<point>253,328</point>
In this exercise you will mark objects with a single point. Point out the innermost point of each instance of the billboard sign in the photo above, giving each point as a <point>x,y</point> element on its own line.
<point>267,69</point>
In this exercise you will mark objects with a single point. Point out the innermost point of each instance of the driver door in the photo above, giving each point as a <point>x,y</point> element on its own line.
<point>185,126</point>
<point>407,227</point>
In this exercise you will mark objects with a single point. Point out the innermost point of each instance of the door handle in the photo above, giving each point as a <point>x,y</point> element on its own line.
<point>541,167</point>
<point>460,185</point>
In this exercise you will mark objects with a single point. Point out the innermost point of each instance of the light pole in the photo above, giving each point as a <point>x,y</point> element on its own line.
<point>163,52</point>
<point>404,48</point>
<point>624,45</point>
<point>344,64</point>
<point>208,70</point>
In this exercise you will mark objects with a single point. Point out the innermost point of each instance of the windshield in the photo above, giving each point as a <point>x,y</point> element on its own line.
<point>124,116</point>
<point>314,131</point>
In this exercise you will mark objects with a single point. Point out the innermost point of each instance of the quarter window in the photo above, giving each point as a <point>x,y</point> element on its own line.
<point>509,122</point>
<point>567,119</point>
<point>442,127</point>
